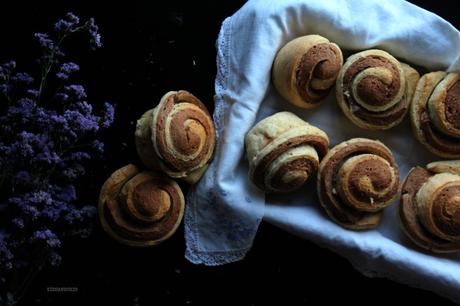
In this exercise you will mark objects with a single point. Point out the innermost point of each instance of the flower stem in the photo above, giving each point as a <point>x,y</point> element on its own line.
<point>49,64</point>
<point>47,67</point>
<point>28,279</point>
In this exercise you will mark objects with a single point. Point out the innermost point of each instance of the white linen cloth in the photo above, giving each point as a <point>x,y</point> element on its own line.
<point>224,209</point>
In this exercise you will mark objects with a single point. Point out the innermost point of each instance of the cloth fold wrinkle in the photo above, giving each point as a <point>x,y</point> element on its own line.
<point>224,209</point>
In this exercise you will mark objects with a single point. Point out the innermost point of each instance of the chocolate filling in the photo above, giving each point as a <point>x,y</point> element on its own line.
<point>374,92</point>
<point>408,213</point>
<point>142,199</point>
<point>436,139</point>
<point>184,140</point>
<point>319,143</point>
<point>330,199</point>
<point>126,227</point>
<point>302,164</point>
<point>380,176</point>
<point>446,215</point>
<point>452,110</point>
<point>321,61</point>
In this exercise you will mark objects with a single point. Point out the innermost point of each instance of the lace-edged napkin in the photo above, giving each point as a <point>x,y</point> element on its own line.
<point>224,209</point>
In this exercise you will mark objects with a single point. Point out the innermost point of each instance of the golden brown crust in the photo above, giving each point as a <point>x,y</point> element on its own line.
<point>374,89</point>
<point>445,166</point>
<point>140,208</point>
<point>435,113</point>
<point>144,147</point>
<point>429,210</point>
<point>356,180</point>
<point>438,203</point>
<point>305,69</point>
<point>177,136</point>
<point>283,152</point>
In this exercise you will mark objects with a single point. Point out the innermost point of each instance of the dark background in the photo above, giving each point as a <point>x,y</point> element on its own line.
<point>150,48</point>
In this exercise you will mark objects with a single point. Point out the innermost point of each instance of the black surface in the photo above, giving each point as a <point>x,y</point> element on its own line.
<point>150,49</point>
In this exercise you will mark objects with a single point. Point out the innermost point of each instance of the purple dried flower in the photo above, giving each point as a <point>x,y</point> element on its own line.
<point>33,93</point>
<point>76,91</point>
<point>40,197</point>
<point>23,147</point>
<point>79,156</point>
<point>23,110</point>
<point>75,216</point>
<point>83,107</point>
<point>62,97</point>
<point>6,256</point>
<point>80,122</point>
<point>9,66</point>
<point>23,178</point>
<point>67,24</point>
<point>18,222</point>
<point>29,145</point>
<point>72,18</point>
<point>62,25</point>
<point>4,89</point>
<point>53,212</point>
<point>108,116</point>
<point>47,237</point>
<point>25,205</point>
<point>45,41</point>
<point>47,157</point>
<point>98,146</point>
<point>72,173</point>
<point>22,77</point>
<point>44,146</point>
<point>66,70</point>
<point>94,32</point>
<point>65,193</point>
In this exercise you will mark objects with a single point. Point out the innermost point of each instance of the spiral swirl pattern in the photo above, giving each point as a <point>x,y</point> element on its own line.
<point>439,205</point>
<point>305,69</point>
<point>356,180</point>
<point>435,113</point>
<point>430,207</point>
<point>179,136</point>
<point>374,89</point>
<point>283,152</point>
<point>140,208</point>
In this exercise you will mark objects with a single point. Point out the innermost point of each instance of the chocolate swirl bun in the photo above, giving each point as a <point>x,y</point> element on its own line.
<point>283,152</point>
<point>356,180</point>
<point>177,136</point>
<point>140,208</point>
<point>305,69</point>
<point>430,206</point>
<point>435,113</point>
<point>374,89</point>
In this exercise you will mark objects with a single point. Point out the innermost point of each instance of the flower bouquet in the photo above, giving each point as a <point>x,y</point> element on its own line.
<point>50,131</point>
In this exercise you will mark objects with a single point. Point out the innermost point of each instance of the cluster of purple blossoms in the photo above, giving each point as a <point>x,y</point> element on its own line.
<point>45,143</point>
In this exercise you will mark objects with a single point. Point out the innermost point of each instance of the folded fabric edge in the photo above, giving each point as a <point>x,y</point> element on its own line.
<point>215,258</point>
<point>192,252</point>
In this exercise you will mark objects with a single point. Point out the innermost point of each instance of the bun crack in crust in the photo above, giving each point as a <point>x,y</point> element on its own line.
<point>305,69</point>
<point>374,89</point>
<point>435,113</point>
<point>430,206</point>
<point>356,180</point>
<point>140,208</point>
<point>177,136</point>
<point>283,152</point>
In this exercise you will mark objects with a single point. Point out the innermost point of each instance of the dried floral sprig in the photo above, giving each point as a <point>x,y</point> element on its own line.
<point>43,151</point>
